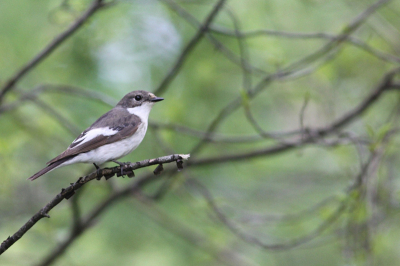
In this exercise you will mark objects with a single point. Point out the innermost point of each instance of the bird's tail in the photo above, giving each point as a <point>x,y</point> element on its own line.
<point>49,168</point>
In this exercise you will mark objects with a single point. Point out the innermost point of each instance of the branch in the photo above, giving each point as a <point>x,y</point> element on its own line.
<point>346,32</point>
<point>56,88</point>
<point>385,85</point>
<point>70,190</point>
<point>95,6</point>
<point>295,68</point>
<point>189,47</point>
<point>229,54</point>
<point>333,217</point>
<point>307,36</point>
<point>238,139</point>
<point>58,116</point>
<point>143,181</point>
<point>146,206</point>
<point>174,226</point>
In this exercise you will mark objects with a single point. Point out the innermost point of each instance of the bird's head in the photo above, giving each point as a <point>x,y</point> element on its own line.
<point>138,98</point>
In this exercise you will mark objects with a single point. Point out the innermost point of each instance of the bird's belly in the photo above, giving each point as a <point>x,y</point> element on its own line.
<point>112,151</point>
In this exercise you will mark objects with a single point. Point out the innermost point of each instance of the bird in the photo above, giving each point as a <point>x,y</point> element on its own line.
<point>114,135</point>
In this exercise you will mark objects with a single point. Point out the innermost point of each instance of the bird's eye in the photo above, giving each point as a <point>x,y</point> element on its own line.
<point>138,97</point>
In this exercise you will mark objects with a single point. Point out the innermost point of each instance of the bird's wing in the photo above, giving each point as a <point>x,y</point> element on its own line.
<point>113,126</point>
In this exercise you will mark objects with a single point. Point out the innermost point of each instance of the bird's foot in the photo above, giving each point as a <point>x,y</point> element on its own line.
<point>129,173</point>
<point>98,171</point>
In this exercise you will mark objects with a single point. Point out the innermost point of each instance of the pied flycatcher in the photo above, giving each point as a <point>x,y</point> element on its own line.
<point>114,135</point>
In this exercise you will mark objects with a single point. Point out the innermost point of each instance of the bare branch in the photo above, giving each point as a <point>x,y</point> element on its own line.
<point>294,68</point>
<point>254,240</point>
<point>226,256</point>
<point>346,32</point>
<point>70,190</point>
<point>201,134</point>
<point>385,85</point>
<point>230,55</point>
<point>64,122</point>
<point>189,47</point>
<point>313,35</point>
<point>56,88</point>
<point>178,228</point>
<point>84,225</point>
<point>302,111</point>
<point>95,6</point>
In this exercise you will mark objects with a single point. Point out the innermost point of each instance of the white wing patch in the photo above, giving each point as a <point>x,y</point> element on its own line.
<point>91,134</point>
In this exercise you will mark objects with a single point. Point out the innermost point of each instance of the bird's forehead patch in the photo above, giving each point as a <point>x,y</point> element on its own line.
<point>152,95</point>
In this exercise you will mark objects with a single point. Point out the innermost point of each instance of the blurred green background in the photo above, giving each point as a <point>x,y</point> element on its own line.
<point>276,198</point>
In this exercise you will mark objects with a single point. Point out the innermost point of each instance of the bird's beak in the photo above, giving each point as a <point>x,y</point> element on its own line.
<point>156,99</point>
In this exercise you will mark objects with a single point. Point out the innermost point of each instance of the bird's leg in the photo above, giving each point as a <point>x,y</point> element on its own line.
<point>97,170</point>
<point>122,165</point>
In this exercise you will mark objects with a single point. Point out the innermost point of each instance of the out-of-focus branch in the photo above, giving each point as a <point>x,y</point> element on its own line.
<point>346,32</point>
<point>76,211</point>
<point>307,36</point>
<point>189,47</point>
<point>174,226</point>
<point>253,122</point>
<point>95,6</point>
<point>56,88</point>
<point>64,122</point>
<point>34,97</point>
<point>203,135</point>
<point>243,52</point>
<point>254,240</point>
<point>254,219</point>
<point>84,224</point>
<point>70,190</point>
<point>313,134</point>
<point>229,54</point>
<point>370,166</point>
<point>296,68</point>
<point>76,91</point>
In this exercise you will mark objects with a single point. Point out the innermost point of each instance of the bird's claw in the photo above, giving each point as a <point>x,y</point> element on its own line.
<point>129,173</point>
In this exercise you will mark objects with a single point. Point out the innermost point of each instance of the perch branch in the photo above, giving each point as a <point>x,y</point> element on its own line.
<point>70,190</point>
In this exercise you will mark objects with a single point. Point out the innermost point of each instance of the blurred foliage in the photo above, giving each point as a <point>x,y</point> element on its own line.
<point>132,45</point>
